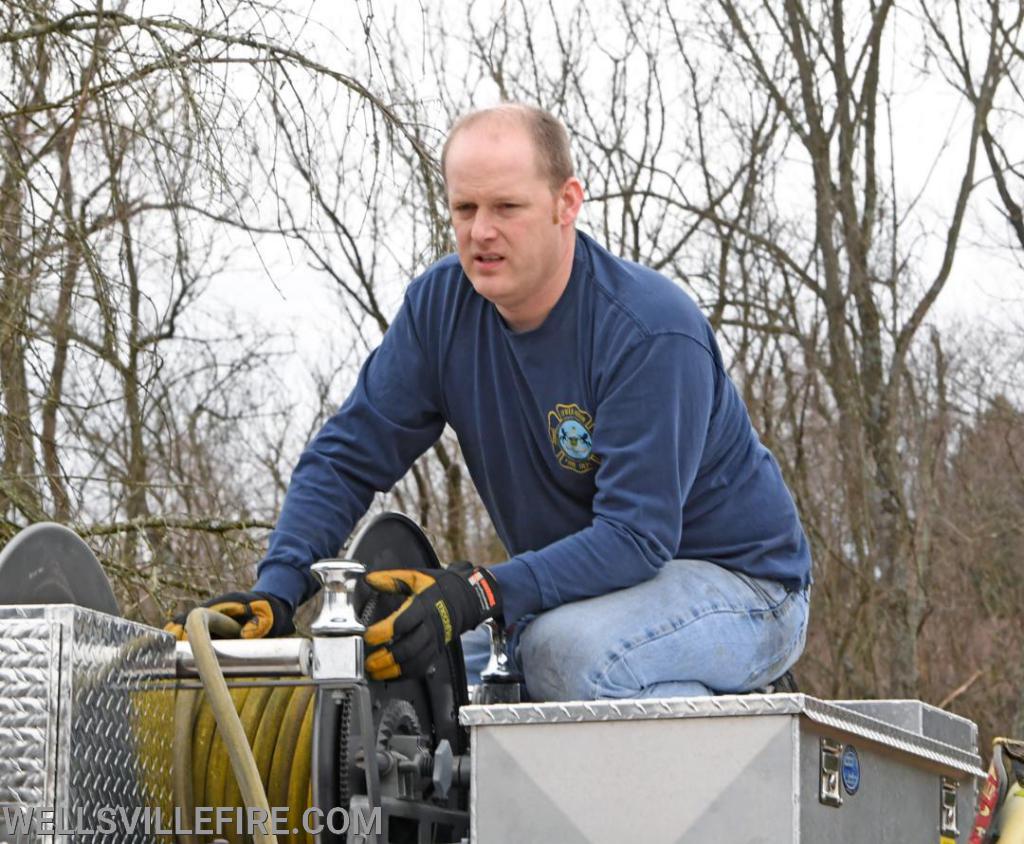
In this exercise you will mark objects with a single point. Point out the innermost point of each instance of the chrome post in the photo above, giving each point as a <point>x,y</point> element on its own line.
<point>337,615</point>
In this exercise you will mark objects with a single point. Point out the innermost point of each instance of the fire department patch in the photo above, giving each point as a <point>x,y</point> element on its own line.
<point>570,429</point>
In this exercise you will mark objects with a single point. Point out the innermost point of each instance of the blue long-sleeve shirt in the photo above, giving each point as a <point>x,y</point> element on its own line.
<point>603,443</point>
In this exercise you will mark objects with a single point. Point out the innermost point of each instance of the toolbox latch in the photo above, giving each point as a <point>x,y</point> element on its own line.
<point>947,809</point>
<point>829,791</point>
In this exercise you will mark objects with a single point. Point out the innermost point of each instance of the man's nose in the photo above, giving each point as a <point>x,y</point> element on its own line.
<point>483,225</point>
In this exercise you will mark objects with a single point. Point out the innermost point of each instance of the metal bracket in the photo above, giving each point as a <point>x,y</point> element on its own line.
<point>337,658</point>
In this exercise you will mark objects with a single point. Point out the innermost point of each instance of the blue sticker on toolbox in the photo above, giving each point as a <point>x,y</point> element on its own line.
<point>851,769</point>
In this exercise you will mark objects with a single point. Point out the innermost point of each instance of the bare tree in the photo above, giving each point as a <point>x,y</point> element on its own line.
<point>128,144</point>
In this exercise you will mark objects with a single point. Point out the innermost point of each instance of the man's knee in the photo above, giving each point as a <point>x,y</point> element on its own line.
<point>565,659</point>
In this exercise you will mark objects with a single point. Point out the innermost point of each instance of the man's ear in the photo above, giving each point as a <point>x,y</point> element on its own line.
<point>569,200</point>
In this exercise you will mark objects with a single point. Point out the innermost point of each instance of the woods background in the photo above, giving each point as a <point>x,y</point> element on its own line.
<point>816,174</point>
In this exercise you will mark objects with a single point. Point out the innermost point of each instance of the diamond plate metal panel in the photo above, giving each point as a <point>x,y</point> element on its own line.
<point>120,720</point>
<point>86,719</point>
<point>29,651</point>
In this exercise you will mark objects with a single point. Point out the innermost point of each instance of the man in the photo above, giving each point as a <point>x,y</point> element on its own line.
<point>655,548</point>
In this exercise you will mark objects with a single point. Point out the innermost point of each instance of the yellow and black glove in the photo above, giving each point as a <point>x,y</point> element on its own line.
<point>441,605</point>
<point>259,613</point>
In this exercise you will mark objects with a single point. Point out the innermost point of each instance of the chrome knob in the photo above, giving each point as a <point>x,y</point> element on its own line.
<point>337,615</point>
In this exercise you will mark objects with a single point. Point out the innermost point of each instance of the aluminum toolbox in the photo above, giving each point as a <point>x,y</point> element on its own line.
<point>745,768</point>
<point>86,716</point>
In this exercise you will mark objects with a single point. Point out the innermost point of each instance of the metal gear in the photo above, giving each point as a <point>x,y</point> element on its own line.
<point>399,717</point>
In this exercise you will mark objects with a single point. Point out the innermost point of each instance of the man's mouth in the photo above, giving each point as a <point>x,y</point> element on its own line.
<point>488,260</point>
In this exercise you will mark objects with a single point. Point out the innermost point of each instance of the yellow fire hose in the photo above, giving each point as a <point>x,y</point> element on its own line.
<point>263,734</point>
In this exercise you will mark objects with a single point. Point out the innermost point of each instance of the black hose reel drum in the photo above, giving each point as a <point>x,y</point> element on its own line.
<point>48,563</point>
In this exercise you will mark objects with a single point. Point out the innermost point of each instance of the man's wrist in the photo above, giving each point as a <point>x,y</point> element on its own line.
<point>520,592</point>
<point>487,592</point>
<point>284,582</point>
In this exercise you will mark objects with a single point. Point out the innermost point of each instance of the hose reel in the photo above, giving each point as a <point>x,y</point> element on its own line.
<point>321,735</point>
<point>370,745</point>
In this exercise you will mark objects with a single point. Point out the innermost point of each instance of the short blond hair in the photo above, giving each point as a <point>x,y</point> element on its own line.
<point>550,138</point>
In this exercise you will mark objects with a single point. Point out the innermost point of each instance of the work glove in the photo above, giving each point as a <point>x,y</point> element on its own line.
<point>442,604</point>
<point>259,613</point>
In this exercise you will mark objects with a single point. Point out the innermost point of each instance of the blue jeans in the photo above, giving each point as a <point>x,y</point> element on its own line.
<point>694,629</point>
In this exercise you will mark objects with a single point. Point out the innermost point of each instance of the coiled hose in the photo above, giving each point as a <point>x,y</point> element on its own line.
<point>264,734</point>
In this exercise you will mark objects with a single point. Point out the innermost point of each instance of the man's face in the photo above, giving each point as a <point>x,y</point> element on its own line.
<point>510,225</point>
